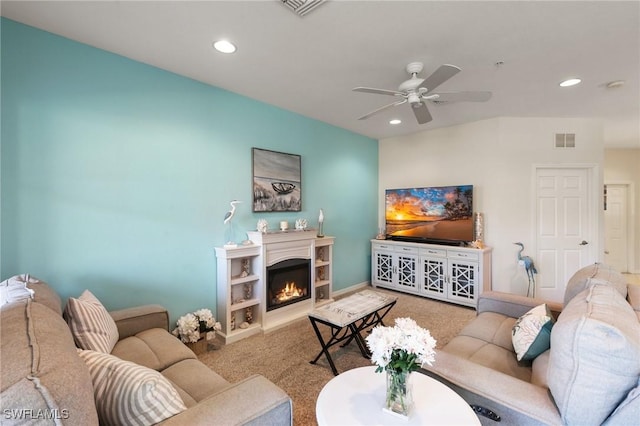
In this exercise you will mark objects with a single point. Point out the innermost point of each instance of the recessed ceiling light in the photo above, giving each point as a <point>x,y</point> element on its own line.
<point>614,84</point>
<point>224,46</point>
<point>570,82</point>
<point>395,121</point>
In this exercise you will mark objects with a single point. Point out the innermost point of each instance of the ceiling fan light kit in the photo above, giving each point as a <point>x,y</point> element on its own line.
<point>417,91</point>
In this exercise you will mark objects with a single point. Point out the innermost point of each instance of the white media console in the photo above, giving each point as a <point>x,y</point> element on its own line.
<point>452,274</point>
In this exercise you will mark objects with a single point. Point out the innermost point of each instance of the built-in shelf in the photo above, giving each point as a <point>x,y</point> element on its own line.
<point>241,280</point>
<point>244,304</point>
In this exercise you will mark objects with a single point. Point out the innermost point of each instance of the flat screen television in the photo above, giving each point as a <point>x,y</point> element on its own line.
<point>437,214</point>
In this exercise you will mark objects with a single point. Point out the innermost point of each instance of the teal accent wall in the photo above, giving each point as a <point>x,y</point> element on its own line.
<point>116,175</point>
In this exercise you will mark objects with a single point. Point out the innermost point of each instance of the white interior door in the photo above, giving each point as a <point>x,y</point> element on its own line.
<point>564,228</point>
<point>615,224</point>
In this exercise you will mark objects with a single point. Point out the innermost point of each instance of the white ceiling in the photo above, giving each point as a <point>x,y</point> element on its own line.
<point>309,64</point>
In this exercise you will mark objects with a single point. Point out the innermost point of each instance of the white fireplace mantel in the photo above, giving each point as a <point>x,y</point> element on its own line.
<point>241,281</point>
<point>284,245</point>
<point>276,247</point>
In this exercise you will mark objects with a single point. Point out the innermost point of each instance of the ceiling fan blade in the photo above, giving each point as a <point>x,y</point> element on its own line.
<point>378,91</point>
<point>421,112</point>
<point>439,76</point>
<point>364,117</point>
<point>463,97</point>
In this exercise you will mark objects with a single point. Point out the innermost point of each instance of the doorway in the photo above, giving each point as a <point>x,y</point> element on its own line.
<point>616,226</point>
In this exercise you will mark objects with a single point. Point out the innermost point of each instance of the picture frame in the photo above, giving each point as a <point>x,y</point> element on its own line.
<point>277,181</point>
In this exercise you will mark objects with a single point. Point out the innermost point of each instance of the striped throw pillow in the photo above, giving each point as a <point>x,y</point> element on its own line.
<point>130,394</point>
<point>90,323</point>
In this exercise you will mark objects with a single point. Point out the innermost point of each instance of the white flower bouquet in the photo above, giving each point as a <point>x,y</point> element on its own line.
<point>402,348</point>
<point>399,350</point>
<point>190,326</point>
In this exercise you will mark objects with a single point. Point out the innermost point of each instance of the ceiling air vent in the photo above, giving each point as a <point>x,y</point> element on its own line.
<point>565,140</point>
<point>302,7</point>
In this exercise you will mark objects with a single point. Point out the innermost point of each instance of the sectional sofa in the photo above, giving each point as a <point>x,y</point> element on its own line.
<point>582,366</point>
<point>148,376</point>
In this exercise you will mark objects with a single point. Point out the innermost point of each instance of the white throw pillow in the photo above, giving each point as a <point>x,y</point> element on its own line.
<point>531,334</point>
<point>90,323</point>
<point>15,289</point>
<point>130,394</point>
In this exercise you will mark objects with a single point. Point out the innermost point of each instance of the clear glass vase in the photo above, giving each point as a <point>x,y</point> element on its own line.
<point>399,399</point>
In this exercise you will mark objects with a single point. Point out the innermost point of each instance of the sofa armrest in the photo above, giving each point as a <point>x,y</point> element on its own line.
<point>514,400</point>
<point>253,401</point>
<point>131,321</point>
<point>512,305</point>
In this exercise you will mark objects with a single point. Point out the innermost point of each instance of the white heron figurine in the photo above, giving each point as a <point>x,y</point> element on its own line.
<point>229,215</point>
<point>230,233</point>
<point>320,233</point>
<point>529,267</point>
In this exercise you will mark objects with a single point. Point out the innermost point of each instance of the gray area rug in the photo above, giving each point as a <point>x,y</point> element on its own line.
<point>283,355</point>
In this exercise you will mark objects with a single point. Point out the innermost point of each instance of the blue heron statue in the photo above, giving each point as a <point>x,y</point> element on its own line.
<point>527,262</point>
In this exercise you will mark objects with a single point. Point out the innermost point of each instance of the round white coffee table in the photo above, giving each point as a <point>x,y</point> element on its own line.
<point>356,397</point>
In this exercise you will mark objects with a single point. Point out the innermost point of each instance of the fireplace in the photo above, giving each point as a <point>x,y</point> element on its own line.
<point>288,282</point>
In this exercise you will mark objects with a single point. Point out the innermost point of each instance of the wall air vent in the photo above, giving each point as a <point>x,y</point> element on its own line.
<point>565,140</point>
<point>302,7</point>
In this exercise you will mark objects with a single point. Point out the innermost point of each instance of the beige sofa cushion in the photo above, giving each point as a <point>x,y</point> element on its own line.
<point>539,370</point>
<point>45,295</point>
<point>155,348</point>
<point>594,359</point>
<point>598,273</point>
<point>194,380</point>
<point>487,341</point>
<point>40,369</point>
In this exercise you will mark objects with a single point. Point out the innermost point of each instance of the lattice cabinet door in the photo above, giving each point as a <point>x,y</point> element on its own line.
<point>463,278</point>
<point>383,268</point>
<point>434,274</point>
<point>407,271</point>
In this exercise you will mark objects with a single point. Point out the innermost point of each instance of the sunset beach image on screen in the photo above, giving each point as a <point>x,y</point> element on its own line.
<point>431,214</point>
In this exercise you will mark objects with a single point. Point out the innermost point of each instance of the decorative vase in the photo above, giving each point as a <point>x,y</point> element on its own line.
<point>479,227</point>
<point>399,399</point>
<point>198,347</point>
<point>203,327</point>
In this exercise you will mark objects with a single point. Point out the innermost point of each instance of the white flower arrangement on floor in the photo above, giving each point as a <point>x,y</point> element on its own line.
<point>190,326</point>
<point>404,347</point>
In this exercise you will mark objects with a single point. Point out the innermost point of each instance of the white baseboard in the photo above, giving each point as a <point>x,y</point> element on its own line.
<point>351,289</point>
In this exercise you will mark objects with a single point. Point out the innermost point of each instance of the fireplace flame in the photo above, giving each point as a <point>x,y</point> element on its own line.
<point>290,291</point>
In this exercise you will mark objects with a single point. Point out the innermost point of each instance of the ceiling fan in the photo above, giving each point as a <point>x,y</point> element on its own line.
<point>416,91</point>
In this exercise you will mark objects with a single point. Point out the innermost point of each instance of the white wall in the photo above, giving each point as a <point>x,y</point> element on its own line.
<point>497,156</point>
<point>622,166</point>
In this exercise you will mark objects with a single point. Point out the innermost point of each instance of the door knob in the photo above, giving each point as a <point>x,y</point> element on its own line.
<point>606,252</point>
<point>584,243</point>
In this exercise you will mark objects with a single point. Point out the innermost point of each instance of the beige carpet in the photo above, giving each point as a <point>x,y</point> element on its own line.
<point>283,355</point>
